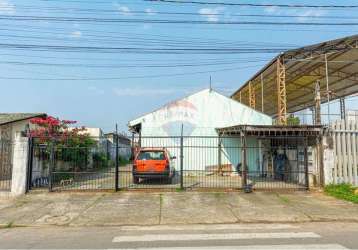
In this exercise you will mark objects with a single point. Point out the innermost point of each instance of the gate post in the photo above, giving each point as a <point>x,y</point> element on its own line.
<point>219,155</point>
<point>52,164</point>
<point>181,159</point>
<point>244,163</point>
<point>306,165</point>
<point>29,162</point>
<point>117,162</point>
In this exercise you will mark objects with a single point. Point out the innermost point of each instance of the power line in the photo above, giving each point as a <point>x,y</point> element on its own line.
<point>129,77</point>
<point>166,21</point>
<point>85,65</point>
<point>133,12</point>
<point>333,6</point>
<point>141,41</point>
<point>211,28</point>
<point>142,50</point>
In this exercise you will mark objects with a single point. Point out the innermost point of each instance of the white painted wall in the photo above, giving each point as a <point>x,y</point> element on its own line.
<point>20,156</point>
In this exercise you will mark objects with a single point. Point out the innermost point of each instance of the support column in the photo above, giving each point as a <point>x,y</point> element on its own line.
<point>318,104</point>
<point>252,99</point>
<point>281,93</point>
<point>327,89</point>
<point>240,97</point>
<point>342,104</point>
<point>313,113</point>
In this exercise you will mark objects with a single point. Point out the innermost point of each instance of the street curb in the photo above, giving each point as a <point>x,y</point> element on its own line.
<point>14,225</point>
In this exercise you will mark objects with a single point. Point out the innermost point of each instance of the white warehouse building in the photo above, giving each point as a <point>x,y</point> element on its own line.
<point>197,117</point>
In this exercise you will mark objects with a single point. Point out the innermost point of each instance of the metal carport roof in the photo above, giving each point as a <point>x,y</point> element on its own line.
<point>303,68</point>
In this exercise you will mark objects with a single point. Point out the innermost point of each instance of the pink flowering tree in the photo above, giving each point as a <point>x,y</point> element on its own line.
<point>72,144</point>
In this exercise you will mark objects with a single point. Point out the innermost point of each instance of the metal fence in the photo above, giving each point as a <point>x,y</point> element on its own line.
<point>5,164</point>
<point>198,162</point>
<point>75,164</point>
<point>345,153</point>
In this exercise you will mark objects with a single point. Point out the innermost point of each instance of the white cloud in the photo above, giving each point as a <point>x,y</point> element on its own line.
<point>211,14</point>
<point>123,10</point>
<point>150,12</point>
<point>302,15</point>
<point>76,34</point>
<point>6,7</point>
<point>139,91</point>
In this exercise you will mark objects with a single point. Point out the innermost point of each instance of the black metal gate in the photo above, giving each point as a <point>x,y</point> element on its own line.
<point>5,164</point>
<point>59,165</point>
<point>200,162</point>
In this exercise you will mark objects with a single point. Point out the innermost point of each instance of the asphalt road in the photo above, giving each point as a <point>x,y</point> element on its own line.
<point>230,236</point>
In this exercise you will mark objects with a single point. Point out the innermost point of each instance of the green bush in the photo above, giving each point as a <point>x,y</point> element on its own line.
<point>100,160</point>
<point>123,161</point>
<point>342,191</point>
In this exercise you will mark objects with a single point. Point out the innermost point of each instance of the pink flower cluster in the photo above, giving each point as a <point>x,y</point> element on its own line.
<point>48,121</point>
<point>51,127</point>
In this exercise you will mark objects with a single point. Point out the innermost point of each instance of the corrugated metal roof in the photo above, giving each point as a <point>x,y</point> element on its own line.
<point>304,67</point>
<point>6,118</point>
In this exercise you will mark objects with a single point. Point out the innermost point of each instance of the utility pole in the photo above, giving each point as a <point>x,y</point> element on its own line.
<point>319,139</point>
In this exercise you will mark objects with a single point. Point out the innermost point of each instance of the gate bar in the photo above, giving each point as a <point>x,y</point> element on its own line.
<point>52,164</point>
<point>117,163</point>
<point>244,163</point>
<point>181,158</point>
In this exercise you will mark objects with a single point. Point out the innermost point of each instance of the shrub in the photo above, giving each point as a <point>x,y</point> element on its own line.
<point>342,191</point>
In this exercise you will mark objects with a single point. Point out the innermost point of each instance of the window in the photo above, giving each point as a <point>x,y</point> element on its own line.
<point>151,155</point>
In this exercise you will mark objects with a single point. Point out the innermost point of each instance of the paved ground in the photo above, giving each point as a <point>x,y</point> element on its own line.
<point>104,179</point>
<point>139,208</point>
<point>318,235</point>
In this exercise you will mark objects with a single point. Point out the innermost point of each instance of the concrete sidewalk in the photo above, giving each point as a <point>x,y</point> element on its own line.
<point>137,208</point>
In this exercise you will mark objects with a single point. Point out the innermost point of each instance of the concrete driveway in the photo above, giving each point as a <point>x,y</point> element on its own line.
<point>143,208</point>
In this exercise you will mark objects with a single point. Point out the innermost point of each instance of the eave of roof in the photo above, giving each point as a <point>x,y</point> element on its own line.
<point>269,130</point>
<point>7,118</point>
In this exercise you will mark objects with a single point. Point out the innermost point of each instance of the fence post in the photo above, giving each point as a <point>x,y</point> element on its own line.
<point>181,159</point>
<point>52,164</point>
<point>117,161</point>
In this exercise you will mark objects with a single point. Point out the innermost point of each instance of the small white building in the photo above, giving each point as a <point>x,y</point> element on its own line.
<point>197,117</point>
<point>106,143</point>
<point>14,150</point>
<point>124,146</point>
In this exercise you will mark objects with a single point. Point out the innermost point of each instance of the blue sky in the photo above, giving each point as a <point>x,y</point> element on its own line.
<point>143,82</point>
